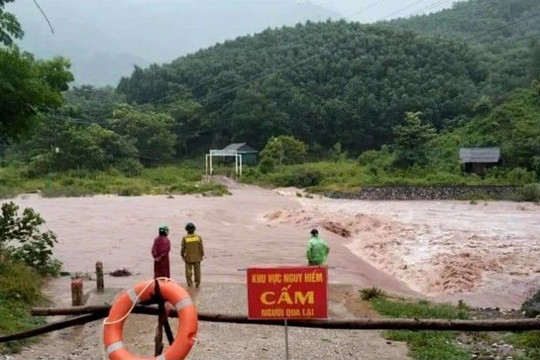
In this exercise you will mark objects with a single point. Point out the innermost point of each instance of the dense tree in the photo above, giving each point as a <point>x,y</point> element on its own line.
<point>92,105</point>
<point>28,87</point>
<point>506,31</point>
<point>411,139</point>
<point>322,83</point>
<point>21,239</point>
<point>68,145</point>
<point>284,150</point>
<point>150,132</point>
<point>514,126</point>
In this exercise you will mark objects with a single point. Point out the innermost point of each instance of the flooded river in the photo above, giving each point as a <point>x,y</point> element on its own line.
<point>485,254</point>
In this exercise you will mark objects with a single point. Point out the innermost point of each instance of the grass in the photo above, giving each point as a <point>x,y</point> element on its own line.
<point>317,177</point>
<point>528,341</point>
<point>20,289</point>
<point>350,176</point>
<point>161,180</point>
<point>424,345</point>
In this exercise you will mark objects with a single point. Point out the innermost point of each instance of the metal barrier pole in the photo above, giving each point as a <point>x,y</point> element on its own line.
<point>286,340</point>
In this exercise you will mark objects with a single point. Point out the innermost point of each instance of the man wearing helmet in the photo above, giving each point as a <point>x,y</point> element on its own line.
<point>192,253</point>
<point>160,252</point>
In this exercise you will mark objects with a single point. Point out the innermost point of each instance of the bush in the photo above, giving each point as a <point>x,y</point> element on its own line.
<point>529,192</point>
<point>301,179</point>
<point>52,191</point>
<point>267,165</point>
<point>520,176</point>
<point>371,293</point>
<point>130,191</point>
<point>19,291</point>
<point>130,167</point>
<point>21,240</point>
<point>6,193</point>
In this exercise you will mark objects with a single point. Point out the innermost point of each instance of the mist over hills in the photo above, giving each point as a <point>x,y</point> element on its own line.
<point>105,38</point>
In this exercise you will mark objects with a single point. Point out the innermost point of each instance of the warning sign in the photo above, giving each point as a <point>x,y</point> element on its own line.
<point>288,292</point>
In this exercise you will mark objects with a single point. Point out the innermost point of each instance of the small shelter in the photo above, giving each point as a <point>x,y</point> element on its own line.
<point>249,154</point>
<point>476,160</point>
<point>242,153</point>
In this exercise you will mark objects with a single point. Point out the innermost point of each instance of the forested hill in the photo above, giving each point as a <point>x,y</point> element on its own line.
<point>321,82</point>
<point>508,31</point>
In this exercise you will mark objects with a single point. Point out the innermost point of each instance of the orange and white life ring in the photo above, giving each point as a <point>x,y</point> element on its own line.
<point>171,292</point>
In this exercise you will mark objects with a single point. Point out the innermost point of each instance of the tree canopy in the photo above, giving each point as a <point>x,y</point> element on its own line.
<point>28,87</point>
<point>322,83</point>
<point>507,32</point>
<point>10,28</point>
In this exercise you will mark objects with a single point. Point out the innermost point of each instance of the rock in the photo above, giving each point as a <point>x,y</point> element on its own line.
<point>531,307</point>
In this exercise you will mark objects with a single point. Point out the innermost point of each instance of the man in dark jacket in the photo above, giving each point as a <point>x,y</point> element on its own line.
<point>192,253</point>
<point>160,252</point>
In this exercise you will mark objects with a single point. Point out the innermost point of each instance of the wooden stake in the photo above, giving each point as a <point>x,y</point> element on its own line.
<point>99,277</point>
<point>77,294</point>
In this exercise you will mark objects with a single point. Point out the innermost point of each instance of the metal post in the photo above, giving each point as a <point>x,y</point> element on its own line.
<point>240,164</point>
<point>286,341</point>
<point>236,166</point>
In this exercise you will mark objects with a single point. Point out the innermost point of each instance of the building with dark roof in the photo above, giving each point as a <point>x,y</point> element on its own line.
<point>476,160</point>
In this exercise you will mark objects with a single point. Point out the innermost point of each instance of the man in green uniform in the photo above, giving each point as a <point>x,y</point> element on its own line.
<point>317,249</point>
<point>192,253</point>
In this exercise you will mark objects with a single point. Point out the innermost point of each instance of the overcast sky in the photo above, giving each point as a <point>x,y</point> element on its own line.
<point>373,10</point>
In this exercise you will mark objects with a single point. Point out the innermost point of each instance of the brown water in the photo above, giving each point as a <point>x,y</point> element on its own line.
<point>443,250</point>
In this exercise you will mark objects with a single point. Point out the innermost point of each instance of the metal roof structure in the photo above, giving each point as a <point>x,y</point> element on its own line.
<point>240,147</point>
<point>479,155</point>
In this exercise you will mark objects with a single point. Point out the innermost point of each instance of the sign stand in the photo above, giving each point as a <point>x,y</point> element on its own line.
<point>286,341</point>
<point>287,292</point>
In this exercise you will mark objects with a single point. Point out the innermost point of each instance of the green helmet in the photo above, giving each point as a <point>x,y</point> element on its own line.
<point>164,228</point>
<point>190,227</point>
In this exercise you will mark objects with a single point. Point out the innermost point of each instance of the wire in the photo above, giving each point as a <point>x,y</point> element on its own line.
<point>193,88</point>
<point>262,75</point>
<point>431,7</point>
<point>269,73</point>
<point>502,27</point>
<point>45,16</point>
<point>402,9</point>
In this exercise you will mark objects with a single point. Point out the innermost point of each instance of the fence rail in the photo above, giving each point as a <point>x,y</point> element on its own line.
<point>85,314</point>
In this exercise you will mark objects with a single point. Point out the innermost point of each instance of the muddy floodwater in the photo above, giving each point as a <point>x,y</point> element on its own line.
<point>486,253</point>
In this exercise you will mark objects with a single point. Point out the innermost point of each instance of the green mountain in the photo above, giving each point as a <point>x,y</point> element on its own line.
<point>507,32</point>
<point>321,82</point>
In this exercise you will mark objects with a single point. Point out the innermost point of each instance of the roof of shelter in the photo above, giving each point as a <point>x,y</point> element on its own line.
<point>241,147</point>
<point>479,155</point>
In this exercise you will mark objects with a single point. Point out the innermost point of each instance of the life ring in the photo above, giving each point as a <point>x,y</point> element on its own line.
<point>171,292</point>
